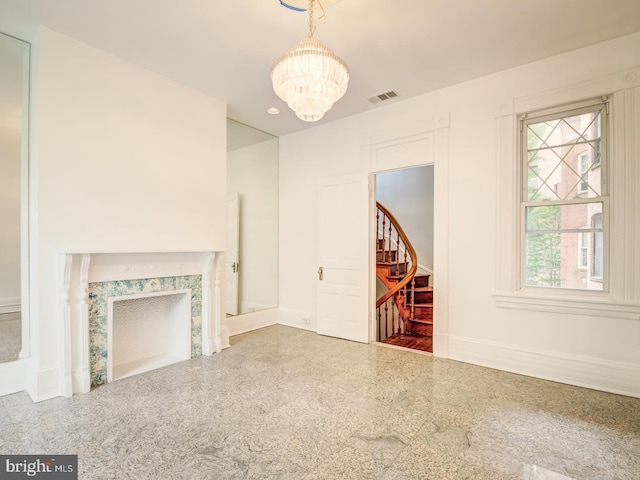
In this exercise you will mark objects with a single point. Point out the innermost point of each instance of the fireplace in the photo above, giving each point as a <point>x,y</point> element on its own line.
<point>145,311</point>
<point>147,331</point>
<point>126,313</point>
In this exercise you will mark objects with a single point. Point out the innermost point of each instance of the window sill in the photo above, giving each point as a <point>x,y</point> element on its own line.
<point>572,305</point>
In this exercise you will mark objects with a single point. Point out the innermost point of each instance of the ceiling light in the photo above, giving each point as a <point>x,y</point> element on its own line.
<point>273,111</point>
<point>310,77</point>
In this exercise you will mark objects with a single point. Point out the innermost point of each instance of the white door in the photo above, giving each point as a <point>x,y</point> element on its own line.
<point>232,258</point>
<point>343,252</point>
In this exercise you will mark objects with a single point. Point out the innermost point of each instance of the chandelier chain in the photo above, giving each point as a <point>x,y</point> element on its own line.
<point>311,29</point>
<point>312,26</point>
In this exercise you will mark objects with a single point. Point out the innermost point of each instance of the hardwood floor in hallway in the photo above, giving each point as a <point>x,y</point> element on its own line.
<point>423,343</point>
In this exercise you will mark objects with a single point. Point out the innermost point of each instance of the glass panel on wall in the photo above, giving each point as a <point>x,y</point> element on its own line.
<point>14,76</point>
<point>252,220</point>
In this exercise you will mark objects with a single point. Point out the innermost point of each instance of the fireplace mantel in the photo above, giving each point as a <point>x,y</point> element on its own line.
<point>78,270</point>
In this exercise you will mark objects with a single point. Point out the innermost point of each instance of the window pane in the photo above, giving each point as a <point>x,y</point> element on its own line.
<point>583,252</point>
<point>557,246</point>
<point>598,250</point>
<point>563,156</point>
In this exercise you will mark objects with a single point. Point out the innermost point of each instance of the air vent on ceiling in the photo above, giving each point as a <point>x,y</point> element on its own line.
<point>383,96</point>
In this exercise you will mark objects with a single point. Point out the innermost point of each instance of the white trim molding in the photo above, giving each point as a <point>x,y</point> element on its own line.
<point>623,298</point>
<point>252,321</point>
<point>298,319</point>
<point>14,376</point>
<point>583,371</point>
<point>567,305</point>
<point>412,145</point>
<point>210,338</point>
<point>10,305</point>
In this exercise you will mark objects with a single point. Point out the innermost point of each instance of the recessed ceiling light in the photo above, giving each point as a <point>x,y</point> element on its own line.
<point>273,111</point>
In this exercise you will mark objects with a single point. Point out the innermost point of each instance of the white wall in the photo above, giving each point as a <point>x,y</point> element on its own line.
<point>253,173</point>
<point>123,160</point>
<point>408,194</point>
<point>589,349</point>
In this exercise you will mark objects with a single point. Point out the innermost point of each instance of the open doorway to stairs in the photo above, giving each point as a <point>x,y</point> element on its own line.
<point>404,219</point>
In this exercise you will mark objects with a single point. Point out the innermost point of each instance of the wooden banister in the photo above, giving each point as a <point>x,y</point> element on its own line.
<point>408,250</point>
<point>384,239</point>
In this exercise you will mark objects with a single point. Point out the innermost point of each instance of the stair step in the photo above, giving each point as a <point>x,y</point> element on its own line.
<point>424,289</point>
<point>422,305</point>
<point>422,280</point>
<point>386,255</point>
<point>421,312</point>
<point>422,294</point>
<point>391,263</point>
<point>419,328</point>
<point>395,278</point>
<point>422,321</point>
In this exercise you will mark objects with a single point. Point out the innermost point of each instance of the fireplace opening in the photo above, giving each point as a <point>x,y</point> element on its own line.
<point>147,331</point>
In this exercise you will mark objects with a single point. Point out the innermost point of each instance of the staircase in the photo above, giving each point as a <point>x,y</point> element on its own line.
<point>405,311</point>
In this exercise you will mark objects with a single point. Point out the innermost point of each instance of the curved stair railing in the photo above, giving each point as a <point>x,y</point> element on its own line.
<point>392,243</point>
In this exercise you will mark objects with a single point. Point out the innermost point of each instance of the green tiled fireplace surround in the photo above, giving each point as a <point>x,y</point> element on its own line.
<point>99,293</point>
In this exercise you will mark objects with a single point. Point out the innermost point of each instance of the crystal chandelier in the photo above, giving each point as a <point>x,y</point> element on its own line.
<point>310,77</point>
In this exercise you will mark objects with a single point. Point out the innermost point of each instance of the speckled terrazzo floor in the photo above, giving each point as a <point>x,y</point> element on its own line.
<point>283,403</point>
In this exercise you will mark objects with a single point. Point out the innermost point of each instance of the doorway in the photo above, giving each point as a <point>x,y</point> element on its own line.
<point>404,229</point>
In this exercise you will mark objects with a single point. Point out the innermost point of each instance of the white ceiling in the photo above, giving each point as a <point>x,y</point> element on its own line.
<point>226,47</point>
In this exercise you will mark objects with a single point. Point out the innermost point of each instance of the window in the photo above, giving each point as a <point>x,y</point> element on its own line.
<point>563,144</point>
<point>583,250</point>
<point>534,179</point>
<point>583,170</point>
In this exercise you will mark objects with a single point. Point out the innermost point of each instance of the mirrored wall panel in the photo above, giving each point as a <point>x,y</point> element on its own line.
<point>252,217</point>
<point>14,75</point>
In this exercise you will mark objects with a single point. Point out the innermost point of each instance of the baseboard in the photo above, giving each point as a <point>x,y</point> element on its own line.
<point>582,371</point>
<point>44,384</point>
<point>10,305</point>
<point>440,345</point>
<point>13,377</point>
<point>224,335</point>
<point>252,321</point>
<point>298,319</point>
<point>253,307</point>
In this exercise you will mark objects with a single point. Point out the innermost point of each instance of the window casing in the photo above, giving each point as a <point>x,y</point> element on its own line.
<point>562,191</point>
<point>620,238</point>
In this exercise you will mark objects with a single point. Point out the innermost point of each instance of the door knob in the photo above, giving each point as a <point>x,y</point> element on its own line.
<point>320,273</point>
